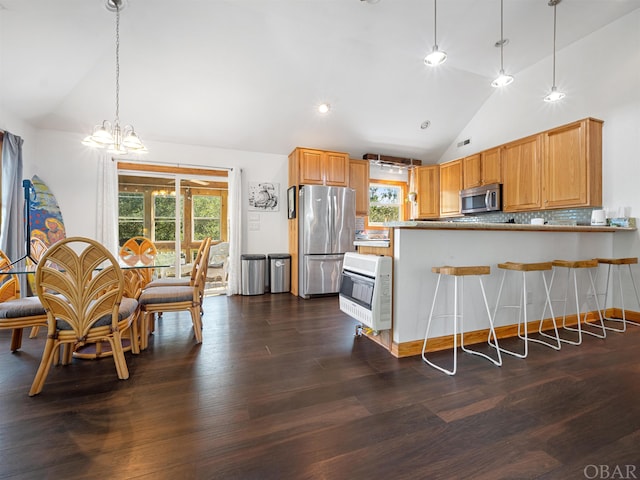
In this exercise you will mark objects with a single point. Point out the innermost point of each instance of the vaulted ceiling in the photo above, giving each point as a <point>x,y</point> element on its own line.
<point>249,74</point>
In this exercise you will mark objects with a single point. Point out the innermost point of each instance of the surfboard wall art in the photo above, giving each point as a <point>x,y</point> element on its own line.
<point>44,214</point>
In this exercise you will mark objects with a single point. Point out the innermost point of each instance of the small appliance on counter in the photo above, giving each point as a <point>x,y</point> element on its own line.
<point>599,217</point>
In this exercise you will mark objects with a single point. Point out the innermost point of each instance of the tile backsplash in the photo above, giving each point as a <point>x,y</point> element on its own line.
<point>575,216</point>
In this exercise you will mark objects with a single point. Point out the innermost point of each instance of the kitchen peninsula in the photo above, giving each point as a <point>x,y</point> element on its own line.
<point>418,246</point>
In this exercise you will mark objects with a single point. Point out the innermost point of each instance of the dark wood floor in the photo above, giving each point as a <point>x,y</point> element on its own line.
<point>281,389</point>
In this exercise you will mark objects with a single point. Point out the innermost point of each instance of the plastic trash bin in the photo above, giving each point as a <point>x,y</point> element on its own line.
<point>280,272</point>
<point>252,274</point>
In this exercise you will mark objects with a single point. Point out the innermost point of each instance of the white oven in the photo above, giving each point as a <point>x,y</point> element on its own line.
<point>365,289</point>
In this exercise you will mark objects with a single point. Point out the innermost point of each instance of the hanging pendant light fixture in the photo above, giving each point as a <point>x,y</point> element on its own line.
<point>116,140</point>
<point>436,57</point>
<point>554,95</point>
<point>503,79</point>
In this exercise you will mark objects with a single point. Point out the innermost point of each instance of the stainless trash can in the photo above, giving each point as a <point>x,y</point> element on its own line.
<point>279,272</point>
<point>252,274</point>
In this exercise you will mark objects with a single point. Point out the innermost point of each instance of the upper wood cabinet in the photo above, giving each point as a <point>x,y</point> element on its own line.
<point>426,184</point>
<point>491,166</point>
<point>483,168</point>
<point>318,167</point>
<point>572,168</point>
<point>471,171</point>
<point>359,181</point>
<point>450,186</point>
<point>521,174</point>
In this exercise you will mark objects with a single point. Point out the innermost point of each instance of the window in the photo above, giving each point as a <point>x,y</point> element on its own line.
<point>130,216</point>
<point>206,214</point>
<point>164,218</point>
<point>386,202</point>
<point>147,207</point>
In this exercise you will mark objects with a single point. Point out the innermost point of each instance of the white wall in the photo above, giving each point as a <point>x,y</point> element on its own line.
<point>70,170</point>
<point>601,77</point>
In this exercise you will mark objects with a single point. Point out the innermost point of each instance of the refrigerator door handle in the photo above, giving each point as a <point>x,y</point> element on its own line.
<point>333,219</point>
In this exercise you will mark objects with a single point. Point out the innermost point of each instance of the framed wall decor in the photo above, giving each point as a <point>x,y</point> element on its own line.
<point>264,196</point>
<point>291,202</point>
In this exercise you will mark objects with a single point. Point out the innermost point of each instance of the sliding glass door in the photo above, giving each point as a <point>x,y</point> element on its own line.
<point>176,212</point>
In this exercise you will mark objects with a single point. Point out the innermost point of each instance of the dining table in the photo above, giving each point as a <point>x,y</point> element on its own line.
<point>137,273</point>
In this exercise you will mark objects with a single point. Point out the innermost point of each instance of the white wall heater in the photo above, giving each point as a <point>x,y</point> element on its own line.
<point>365,289</point>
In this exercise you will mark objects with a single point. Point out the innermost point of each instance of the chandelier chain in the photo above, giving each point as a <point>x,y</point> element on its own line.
<point>117,4</point>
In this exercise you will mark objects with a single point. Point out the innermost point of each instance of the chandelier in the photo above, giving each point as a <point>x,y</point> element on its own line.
<point>115,139</point>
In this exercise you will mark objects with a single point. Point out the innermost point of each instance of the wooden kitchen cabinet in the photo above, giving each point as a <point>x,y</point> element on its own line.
<point>426,184</point>
<point>483,168</point>
<point>359,181</point>
<point>471,171</point>
<point>318,167</point>
<point>450,186</point>
<point>491,166</point>
<point>521,174</point>
<point>572,168</point>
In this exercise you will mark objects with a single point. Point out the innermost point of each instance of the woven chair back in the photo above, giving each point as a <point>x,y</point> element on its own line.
<point>9,284</point>
<point>138,250</point>
<point>79,282</point>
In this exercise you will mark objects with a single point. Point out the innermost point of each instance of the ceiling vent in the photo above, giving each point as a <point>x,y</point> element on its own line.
<point>464,142</point>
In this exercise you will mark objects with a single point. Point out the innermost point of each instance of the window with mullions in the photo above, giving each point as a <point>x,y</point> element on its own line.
<point>207,215</point>
<point>131,215</point>
<point>385,203</point>
<point>164,218</point>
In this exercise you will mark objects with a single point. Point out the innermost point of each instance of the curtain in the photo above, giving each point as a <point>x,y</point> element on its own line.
<point>235,230</point>
<point>12,240</point>
<point>107,214</point>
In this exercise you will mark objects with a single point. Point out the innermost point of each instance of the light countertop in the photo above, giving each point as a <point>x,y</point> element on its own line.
<point>440,225</point>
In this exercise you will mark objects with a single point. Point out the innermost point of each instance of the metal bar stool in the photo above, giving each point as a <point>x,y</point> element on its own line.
<point>574,266</point>
<point>618,263</point>
<point>458,272</point>
<point>522,307</point>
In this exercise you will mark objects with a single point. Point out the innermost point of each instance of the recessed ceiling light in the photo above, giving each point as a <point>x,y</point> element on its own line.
<point>426,124</point>
<point>324,108</point>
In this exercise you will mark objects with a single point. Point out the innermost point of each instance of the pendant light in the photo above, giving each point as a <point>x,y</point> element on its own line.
<point>436,57</point>
<point>116,140</point>
<point>554,95</point>
<point>503,79</point>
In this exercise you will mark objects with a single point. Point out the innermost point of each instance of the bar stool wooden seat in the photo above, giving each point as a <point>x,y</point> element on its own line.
<point>524,268</point>
<point>573,266</point>
<point>457,316</point>
<point>619,263</point>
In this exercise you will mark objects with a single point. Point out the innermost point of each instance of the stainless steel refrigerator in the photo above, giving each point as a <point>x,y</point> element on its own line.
<point>327,217</point>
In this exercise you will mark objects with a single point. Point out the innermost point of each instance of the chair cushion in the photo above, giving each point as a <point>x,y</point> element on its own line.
<point>21,307</point>
<point>127,307</point>
<point>165,295</point>
<point>169,282</point>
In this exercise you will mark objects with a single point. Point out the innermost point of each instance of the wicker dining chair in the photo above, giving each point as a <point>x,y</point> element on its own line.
<point>187,281</point>
<point>139,250</point>
<point>170,298</point>
<point>183,281</point>
<point>81,287</point>
<point>17,313</point>
<point>38,247</point>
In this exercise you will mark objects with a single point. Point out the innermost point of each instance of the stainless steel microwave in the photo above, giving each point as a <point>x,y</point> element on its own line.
<point>487,198</point>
